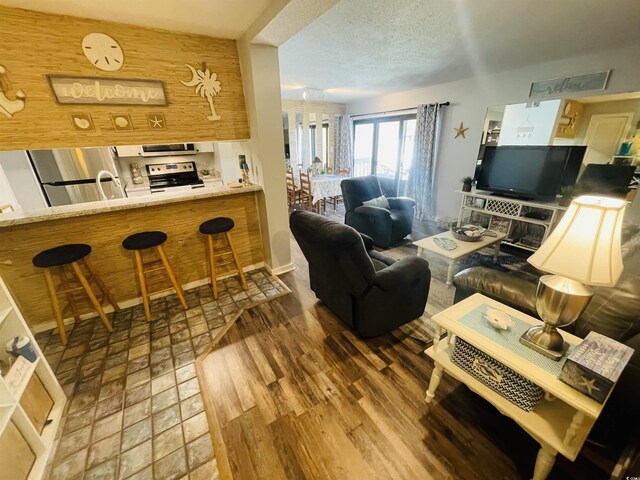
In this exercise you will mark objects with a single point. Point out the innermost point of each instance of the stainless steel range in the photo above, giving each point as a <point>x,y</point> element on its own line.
<point>165,177</point>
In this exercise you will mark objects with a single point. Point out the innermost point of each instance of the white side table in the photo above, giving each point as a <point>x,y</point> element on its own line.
<point>463,249</point>
<point>560,423</point>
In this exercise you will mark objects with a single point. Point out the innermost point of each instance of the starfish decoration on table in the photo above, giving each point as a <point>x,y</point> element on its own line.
<point>460,130</point>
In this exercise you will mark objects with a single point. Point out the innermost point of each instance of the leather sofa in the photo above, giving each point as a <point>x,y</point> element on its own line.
<point>614,312</point>
<point>369,292</point>
<point>384,226</point>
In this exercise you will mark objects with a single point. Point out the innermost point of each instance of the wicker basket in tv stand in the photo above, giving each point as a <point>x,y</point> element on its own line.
<point>508,211</point>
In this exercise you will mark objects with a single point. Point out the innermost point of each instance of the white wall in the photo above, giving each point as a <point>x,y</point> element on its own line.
<point>261,79</point>
<point>19,174</point>
<point>228,163</point>
<point>6,193</point>
<point>469,101</point>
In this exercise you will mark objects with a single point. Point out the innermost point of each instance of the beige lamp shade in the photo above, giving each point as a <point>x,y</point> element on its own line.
<point>585,246</point>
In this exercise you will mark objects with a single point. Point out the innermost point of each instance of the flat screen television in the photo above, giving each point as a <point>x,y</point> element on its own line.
<point>535,172</point>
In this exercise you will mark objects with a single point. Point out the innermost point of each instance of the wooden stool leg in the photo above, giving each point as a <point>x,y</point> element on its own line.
<point>92,296</point>
<point>243,280</point>
<point>101,284</point>
<point>172,276</point>
<point>143,285</point>
<point>56,306</point>
<point>69,295</point>
<point>212,266</point>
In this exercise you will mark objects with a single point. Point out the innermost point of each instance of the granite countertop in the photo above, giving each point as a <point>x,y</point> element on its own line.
<point>80,209</point>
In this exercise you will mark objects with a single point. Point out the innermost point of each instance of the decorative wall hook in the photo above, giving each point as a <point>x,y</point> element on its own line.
<point>10,107</point>
<point>207,86</point>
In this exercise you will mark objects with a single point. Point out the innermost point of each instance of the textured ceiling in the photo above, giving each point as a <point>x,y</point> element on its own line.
<point>217,18</point>
<point>292,18</point>
<point>363,48</point>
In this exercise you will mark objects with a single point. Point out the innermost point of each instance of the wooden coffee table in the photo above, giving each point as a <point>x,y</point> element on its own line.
<point>463,249</point>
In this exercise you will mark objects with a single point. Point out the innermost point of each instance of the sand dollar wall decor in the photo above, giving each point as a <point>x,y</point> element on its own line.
<point>103,52</point>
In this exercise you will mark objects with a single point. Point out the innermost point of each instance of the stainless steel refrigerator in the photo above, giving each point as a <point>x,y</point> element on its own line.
<point>68,175</point>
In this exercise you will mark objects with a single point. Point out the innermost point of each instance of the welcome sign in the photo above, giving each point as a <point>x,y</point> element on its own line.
<point>106,91</point>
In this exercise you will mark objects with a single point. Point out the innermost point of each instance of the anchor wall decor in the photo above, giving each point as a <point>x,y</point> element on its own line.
<point>9,107</point>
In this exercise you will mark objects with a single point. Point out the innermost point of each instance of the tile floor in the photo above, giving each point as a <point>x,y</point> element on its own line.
<point>134,408</point>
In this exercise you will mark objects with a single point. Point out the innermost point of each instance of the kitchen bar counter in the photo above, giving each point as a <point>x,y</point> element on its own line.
<point>81,209</point>
<point>104,225</point>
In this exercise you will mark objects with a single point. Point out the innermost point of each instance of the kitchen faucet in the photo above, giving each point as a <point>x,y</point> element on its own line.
<point>101,173</point>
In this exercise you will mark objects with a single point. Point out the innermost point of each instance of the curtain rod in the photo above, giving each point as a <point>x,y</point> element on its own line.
<point>444,104</point>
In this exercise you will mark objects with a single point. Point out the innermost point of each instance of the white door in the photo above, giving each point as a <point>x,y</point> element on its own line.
<point>604,136</point>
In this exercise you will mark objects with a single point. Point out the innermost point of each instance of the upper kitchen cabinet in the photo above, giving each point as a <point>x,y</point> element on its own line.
<point>129,150</point>
<point>153,87</point>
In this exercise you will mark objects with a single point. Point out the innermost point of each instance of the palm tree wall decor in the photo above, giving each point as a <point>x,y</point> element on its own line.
<point>207,85</point>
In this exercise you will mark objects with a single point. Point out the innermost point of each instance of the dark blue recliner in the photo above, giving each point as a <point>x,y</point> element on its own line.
<point>384,226</point>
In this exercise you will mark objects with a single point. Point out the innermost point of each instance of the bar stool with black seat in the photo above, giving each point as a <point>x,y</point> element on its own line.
<point>211,228</point>
<point>72,280</point>
<point>138,242</point>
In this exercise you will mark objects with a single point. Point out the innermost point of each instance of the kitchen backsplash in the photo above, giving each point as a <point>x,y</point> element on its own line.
<point>204,161</point>
<point>223,161</point>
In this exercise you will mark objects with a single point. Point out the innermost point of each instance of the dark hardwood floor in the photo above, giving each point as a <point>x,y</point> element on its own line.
<point>291,393</point>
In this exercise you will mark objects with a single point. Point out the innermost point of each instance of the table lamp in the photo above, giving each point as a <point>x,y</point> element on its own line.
<point>583,250</point>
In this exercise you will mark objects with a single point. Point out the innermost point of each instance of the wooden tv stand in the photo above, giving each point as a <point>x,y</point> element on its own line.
<point>504,213</point>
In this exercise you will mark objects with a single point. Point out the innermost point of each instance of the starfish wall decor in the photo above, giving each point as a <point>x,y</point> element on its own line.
<point>460,130</point>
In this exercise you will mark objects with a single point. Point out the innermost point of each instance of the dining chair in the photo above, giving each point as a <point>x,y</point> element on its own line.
<point>293,193</point>
<point>306,197</point>
<point>335,201</point>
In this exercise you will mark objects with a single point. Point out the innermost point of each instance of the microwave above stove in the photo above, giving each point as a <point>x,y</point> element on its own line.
<point>169,149</point>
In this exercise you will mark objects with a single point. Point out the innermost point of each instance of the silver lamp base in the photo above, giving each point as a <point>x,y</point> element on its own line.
<point>548,343</point>
<point>559,302</point>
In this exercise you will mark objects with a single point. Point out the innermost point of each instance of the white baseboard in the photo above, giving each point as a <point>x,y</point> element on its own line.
<point>132,302</point>
<point>280,270</point>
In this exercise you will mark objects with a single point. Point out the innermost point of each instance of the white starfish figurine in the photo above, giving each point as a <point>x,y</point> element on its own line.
<point>10,107</point>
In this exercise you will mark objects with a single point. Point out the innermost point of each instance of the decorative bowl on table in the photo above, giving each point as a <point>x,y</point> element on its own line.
<point>498,319</point>
<point>468,233</point>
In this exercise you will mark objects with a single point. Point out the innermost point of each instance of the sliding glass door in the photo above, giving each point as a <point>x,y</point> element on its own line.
<point>384,147</point>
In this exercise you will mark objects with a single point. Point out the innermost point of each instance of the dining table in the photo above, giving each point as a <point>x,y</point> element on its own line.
<point>325,186</point>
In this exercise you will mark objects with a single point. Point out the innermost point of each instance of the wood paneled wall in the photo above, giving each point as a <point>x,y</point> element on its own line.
<point>34,44</point>
<point>185,246</point>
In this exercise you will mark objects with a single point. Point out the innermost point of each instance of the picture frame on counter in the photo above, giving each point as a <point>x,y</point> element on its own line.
<point>74,90</point>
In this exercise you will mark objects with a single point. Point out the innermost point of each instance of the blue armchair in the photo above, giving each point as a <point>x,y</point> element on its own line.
<point>384,226</point>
